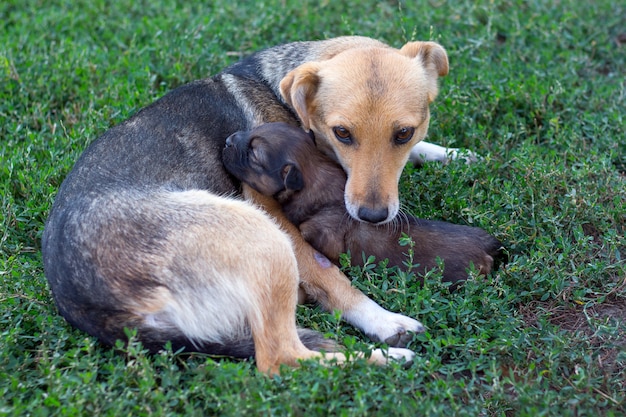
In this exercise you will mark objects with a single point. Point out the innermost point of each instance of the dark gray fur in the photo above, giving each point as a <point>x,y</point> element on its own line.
<point>107,223</point>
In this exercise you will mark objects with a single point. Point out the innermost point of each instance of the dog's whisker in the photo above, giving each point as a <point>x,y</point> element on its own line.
<point>402,221</point>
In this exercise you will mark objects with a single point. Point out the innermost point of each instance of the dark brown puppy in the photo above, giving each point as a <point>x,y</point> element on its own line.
<point>282,161</point>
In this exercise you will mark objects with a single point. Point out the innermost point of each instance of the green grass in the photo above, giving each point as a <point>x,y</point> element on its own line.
<point>536,88</point>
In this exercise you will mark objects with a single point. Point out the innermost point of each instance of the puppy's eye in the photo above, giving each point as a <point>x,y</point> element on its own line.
<point>404,135</point>
<point>254,149</point>
<point>342,134</point>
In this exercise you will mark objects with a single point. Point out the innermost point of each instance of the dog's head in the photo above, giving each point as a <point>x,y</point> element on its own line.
<point>266,158</point>
<point>367,107</point>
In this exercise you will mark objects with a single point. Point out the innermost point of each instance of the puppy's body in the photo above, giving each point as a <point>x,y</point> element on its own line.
<point>143,233</point>
<point>282,161</point>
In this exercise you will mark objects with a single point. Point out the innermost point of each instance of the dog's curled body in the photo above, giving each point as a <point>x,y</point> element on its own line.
<point>133,229</point>
<point>146,231</point>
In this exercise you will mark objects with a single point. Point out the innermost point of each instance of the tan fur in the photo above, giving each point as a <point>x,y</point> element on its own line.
<point>331,288</point>
<point>328,286</point>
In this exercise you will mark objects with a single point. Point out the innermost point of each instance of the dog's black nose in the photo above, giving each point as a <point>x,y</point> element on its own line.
<point>373,215</point>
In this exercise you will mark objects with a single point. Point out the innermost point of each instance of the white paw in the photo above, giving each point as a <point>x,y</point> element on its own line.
<point>468,156</point>
<point>400,354</point>
<point>383,357</point>
<point>382,325</point>
<point>425,151</point>
<point>396,329</point>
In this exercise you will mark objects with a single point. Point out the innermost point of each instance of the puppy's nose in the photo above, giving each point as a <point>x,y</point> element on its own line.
<point>235,137</point>
<point>373,215</point>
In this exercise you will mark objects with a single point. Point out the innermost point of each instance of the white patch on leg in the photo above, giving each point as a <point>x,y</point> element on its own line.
<point>382,325</point>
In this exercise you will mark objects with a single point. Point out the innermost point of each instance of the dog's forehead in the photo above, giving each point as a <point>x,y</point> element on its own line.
<point>375,69</point>
<point>384,84</point>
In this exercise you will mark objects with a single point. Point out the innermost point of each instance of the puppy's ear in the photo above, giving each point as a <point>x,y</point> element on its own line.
<point>292,178</point>
<point>432,55</point>
<point>298,89</point>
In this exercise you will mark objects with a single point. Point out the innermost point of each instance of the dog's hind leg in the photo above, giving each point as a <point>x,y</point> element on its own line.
<point>274,330</point>
<point>227,274</point>
<point>224,275</point>
<point>274,289</point>
<point>276,339</point>
<point>273,324</point>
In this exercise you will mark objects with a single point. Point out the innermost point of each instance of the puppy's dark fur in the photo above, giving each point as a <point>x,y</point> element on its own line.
<point>281,161</point>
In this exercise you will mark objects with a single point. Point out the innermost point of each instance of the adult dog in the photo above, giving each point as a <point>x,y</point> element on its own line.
<point>282,161</point>
<point>143,233</point>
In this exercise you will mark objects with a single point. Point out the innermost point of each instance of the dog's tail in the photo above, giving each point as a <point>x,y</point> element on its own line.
<point>316,341</point>
<point>240,348</point>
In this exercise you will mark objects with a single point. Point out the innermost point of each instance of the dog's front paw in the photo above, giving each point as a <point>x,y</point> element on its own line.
<point>397,330</point>
<point>425,151</point>
<point>461,154</point>
<point>382,325</point>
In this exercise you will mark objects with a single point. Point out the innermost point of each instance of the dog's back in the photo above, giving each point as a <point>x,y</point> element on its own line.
<point>107,243</point>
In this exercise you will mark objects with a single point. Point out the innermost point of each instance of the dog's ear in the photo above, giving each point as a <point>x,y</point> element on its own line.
<point>298,89</point>
<point>292,178</point>
<point>432,55</point>
<point>433,58</point>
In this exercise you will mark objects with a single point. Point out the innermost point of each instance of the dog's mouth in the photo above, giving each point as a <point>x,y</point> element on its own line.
<point>233,140</point>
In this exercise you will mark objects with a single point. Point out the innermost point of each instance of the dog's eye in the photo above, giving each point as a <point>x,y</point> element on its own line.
<point>342,134</point>
<point>404,135</point>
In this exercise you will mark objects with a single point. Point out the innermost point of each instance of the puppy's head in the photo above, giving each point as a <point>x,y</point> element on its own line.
<point>367,108</point>
<point>266,158</point>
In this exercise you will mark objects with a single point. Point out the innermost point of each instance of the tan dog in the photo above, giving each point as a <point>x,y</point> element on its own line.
<point>141,236</point>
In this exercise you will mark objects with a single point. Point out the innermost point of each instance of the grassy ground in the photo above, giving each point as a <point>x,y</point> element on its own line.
<point>536,88</point>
